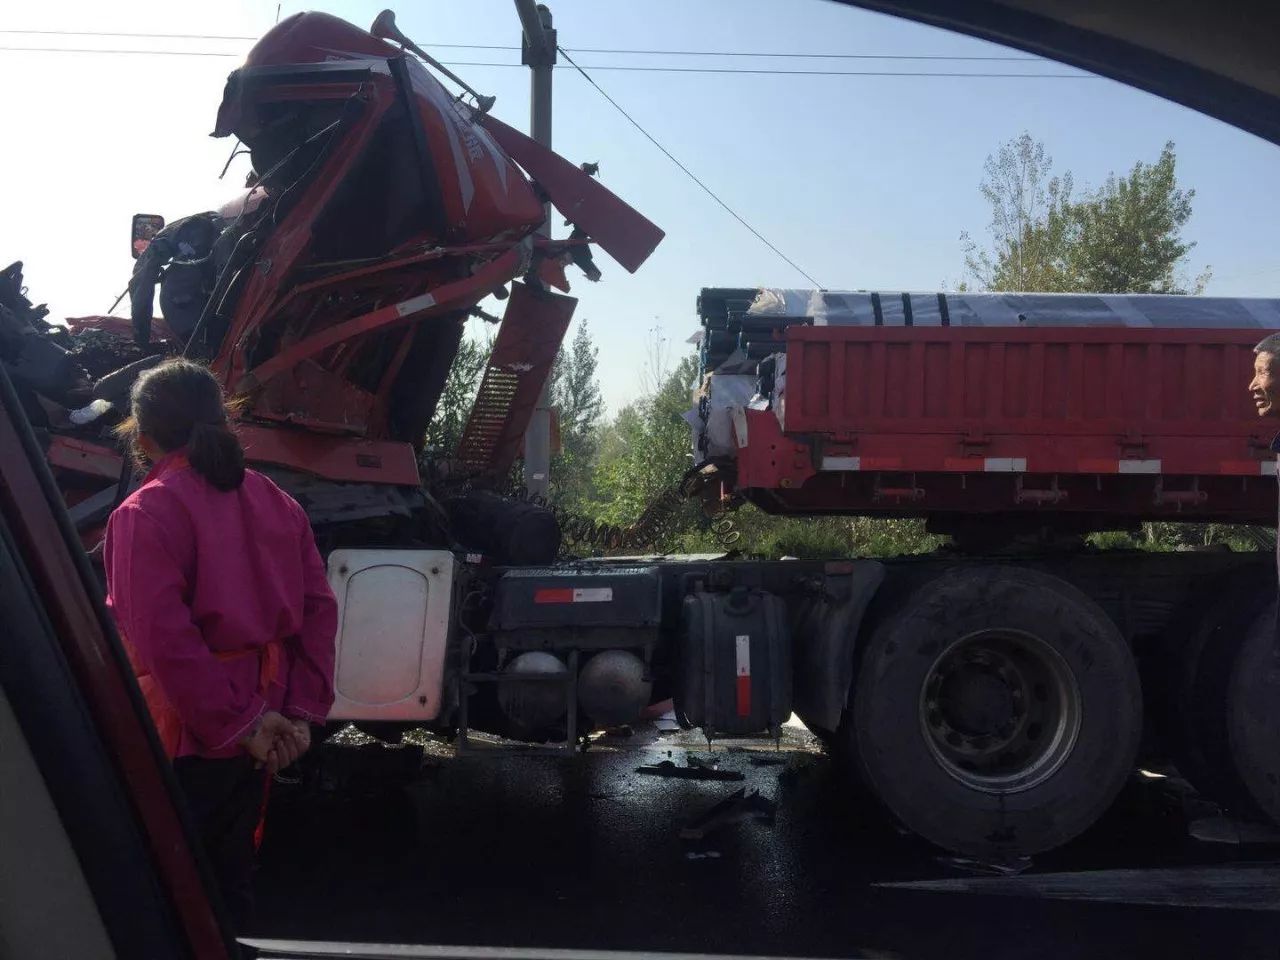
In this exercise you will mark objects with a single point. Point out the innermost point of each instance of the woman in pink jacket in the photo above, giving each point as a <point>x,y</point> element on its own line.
<point>220,594</point>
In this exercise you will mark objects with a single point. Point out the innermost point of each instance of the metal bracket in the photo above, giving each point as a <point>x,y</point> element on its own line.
<point>1132,447</point>
<point>909,492</point>
<point>1179,498</point>
<point>1052,495</point>
<point>467,686</point>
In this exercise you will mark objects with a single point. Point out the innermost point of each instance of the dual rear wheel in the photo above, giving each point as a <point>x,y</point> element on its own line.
<point>1227,699</point>
<point>996,713</point>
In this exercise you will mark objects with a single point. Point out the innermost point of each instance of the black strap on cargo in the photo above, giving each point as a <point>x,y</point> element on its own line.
<point>708,667</point>
<point>875,308</point>
<point>907,317</point>
<point>943,311</point>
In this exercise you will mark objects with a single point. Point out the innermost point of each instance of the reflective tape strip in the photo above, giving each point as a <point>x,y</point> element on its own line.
<point>742,663</point>
<point>1138,466</point>
<point>573,595</point>
<point>1005,464</point>
<point>414,304</point>
<point>841,463</point>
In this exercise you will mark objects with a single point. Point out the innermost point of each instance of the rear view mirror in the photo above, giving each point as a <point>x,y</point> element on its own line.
<point>145,227</point>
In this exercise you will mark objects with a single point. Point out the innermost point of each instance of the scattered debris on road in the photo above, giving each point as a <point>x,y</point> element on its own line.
<point>695,771</point>
<point>984,868</point>
<point>1223,829</point>
<point>735,808</point>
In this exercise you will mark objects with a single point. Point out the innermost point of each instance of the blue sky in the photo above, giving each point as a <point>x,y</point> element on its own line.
<point>864,181</point>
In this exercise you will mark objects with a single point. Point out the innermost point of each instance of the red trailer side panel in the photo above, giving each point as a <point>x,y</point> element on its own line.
<point>1139,423</point>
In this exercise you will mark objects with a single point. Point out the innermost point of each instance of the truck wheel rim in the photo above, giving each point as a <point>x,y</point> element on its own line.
<point>1000,710</point>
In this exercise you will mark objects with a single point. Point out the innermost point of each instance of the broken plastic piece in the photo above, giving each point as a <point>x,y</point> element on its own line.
<point>668,769</point>
<point>1232,831</point>
<point>736,807</point>
<point>90,413</point>
<point>1007,868</point>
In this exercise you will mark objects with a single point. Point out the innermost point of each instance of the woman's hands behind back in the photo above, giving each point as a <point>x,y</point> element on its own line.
<point>276,742</point>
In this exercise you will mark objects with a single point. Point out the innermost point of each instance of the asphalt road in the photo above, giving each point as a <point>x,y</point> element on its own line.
<point>585,852</point>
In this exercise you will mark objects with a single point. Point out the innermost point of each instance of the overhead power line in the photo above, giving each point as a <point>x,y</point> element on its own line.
<point>712,70</point>
<point>608,50</point>
<point>141,53</point>
<point>689,173</point>
<point>836,73</point>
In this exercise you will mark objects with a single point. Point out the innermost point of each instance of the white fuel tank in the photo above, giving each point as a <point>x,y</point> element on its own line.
<point>393,631</point>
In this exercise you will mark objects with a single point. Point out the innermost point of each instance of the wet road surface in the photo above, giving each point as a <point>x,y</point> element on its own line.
<point>584,852</point>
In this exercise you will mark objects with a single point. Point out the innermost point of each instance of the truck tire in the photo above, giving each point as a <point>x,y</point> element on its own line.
<point>997,713</point>
<point>1253,715</point>
<point>1205,663</point>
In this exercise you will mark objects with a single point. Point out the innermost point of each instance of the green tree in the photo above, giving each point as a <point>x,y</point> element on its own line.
<point>444,432</point>
<point>575,392</point>
<point>646,449</point>
<point>1127,236</point>
<point>1018,184</point>
<point>1124,237</point>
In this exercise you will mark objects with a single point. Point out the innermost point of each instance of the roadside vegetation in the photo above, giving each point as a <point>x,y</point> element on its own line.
<point>1046,234</point>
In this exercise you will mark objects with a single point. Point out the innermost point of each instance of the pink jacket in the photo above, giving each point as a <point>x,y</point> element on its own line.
<point>200,582</point>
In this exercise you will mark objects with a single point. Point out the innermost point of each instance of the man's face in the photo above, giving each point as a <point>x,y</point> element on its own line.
<point>1265,385</point>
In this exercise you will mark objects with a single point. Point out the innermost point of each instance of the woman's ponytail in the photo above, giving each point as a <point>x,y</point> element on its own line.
<point>214,452</point>
<point>179,404</point>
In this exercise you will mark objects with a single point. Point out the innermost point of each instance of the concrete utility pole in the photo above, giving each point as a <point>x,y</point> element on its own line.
<point>538,53</point>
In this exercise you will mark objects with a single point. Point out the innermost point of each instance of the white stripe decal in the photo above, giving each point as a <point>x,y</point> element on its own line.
<point>1268,468</point>
<point>743,651</point>
<point>1139,466</point>
<point>1005,464</point>
<point>841,463</point>
<point>593,595</point>
<point>414,304</point>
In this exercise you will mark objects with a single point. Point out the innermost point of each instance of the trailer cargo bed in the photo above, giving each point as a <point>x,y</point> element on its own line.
<point>1113,423</point>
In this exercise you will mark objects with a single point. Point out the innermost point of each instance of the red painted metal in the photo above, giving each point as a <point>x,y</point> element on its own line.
<point>83,457</point>
<point>624,234</point>
<point>483,193</point>
<point>331,456</point>
<point>119,326</point>
<point>324,314</point>
<point>345,459</point>
<point>1122,422</point>
<point>448,297</point>
<point>532,328</point>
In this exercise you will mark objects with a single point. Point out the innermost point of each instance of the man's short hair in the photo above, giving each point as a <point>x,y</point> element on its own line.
<point>1270,345</point>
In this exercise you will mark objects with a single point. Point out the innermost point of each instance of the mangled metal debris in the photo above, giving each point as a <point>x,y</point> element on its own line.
<point>668,768</point>
<point>740,806</point>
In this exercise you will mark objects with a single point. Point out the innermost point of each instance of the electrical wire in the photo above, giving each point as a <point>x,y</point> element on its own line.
<point>689,173</point>
<point>618,67</point>
<point>153,53</point>
<point>761,71</point>
<point>609,50</point>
